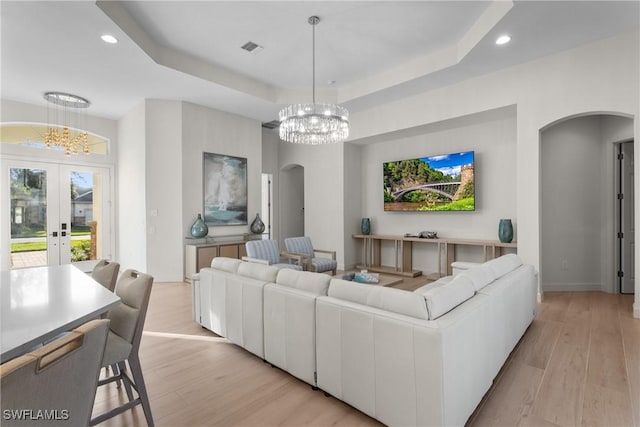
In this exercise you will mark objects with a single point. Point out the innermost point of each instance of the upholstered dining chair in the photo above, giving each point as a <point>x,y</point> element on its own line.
<point>106,273</point>
<point>303,246</point>
<point>268,252</point>
<point>59,377</point>
<point>123,342</point>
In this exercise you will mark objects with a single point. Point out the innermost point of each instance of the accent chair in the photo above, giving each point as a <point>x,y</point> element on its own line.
<point>303,246</point>
<point>268,252</point>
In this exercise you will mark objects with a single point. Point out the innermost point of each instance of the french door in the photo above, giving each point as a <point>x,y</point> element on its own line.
<point>54,213</point>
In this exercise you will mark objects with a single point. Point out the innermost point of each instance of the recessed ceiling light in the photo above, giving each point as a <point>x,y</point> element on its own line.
<point>108,38</point>
<point>503,39</point>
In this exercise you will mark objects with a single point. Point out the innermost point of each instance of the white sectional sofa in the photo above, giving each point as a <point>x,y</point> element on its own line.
<point>405,358</point>
<point>290,321</point>
<point>231,301</point>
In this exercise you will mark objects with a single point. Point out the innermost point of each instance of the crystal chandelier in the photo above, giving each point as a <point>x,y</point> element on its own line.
<point>314,123</point>
<point>60,134</point>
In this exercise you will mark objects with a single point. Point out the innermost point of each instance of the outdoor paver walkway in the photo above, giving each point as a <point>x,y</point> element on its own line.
<point>28,259</point>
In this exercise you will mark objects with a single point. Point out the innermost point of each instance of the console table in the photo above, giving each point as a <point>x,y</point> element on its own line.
<point>199,254</point>
<point>403,246</point>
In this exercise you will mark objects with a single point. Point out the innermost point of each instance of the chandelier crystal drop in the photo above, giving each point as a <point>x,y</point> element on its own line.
<point>60,134</point>
<point>314,123</point>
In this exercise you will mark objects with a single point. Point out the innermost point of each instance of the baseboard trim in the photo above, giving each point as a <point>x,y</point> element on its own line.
<point>568,287</point>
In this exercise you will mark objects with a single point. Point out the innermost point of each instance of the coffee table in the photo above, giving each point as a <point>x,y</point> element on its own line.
<point>384,279</point>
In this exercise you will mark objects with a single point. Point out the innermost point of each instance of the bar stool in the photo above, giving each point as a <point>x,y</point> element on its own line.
<point>106,273</point>
<point>123,342</point>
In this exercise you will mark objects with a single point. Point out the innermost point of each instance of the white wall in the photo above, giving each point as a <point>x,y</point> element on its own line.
<point>291,221</point>
<point>163,189</point>
<point>270,164</point>
<point>332,192</point>
<point>161,179</point>
<point>492,138</point>
<point>323,193</point>
<point>572,196</point>
<point>616,128</point>
<point>600,77</point>
<point>131,188</point>
<point>212,131</point>
<point>352,202</point>
<point>578,206</point>
<point>597,78</point>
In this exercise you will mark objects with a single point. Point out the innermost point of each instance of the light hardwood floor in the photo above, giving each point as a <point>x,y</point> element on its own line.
<point>577,364</point>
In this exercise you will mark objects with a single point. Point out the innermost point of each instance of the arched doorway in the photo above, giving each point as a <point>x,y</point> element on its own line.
<point>579,209</point>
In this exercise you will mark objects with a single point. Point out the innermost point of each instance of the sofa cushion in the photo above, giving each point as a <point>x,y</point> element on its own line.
<point>480,276</point>
<point>316,283</point>
<point>444,298</point>
<point>504,264</point>
<point>458,267</point>
<point>438,283</point>
<point>225,264</point>
<point>254,270</point>
<point>324,264</point>
<point>390,299</point>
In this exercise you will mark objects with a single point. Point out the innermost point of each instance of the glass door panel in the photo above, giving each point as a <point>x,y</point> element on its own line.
<point>85,211</point>
<point>28,217</point>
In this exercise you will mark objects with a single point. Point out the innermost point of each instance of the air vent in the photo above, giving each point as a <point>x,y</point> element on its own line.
<point>251,47</point>
<point>271,125</point>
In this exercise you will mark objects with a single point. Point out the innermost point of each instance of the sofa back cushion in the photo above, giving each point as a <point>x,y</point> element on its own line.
<point>230,265</point>
<point>480,276</point>
<point>432,285</point>
<point>443,298</point>
<point>390,299</point>
<point>254,270</point>
<point>504,264</point>
<point>316,283</point>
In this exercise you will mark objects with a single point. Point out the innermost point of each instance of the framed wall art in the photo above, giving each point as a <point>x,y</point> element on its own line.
<point>225,189</point>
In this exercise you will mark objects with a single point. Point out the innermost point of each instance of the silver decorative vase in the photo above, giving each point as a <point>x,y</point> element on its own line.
<point>257,226</point>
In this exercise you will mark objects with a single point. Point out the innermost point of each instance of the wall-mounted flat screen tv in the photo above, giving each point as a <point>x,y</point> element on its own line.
<point>435,183</point>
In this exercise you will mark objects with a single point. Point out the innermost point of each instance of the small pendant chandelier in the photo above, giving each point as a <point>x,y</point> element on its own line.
<point>313,123</point>
<point>60,134</point>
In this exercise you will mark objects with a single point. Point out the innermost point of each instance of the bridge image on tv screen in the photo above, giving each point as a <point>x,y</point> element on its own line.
<point>435,183</point>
